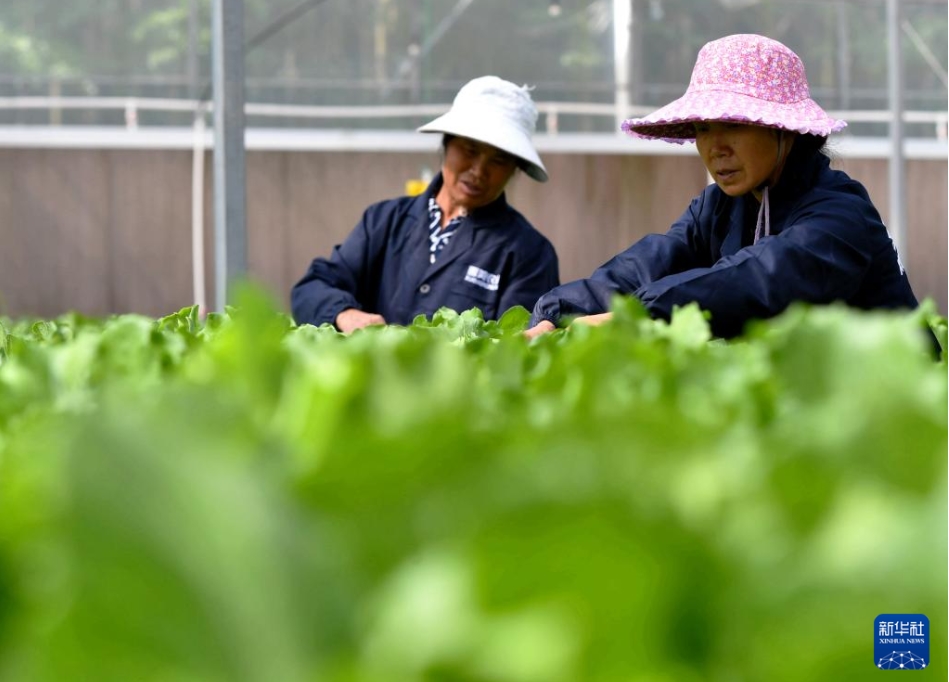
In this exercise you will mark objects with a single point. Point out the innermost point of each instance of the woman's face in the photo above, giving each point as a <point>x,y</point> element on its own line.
<point>475,173</point>
<point>740,157</point>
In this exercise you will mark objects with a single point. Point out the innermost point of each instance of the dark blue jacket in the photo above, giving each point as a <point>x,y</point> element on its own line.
<point>494,261</point>
<point>828,244</point>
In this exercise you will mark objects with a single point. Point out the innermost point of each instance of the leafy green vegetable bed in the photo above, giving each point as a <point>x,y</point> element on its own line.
<point>238,499</point>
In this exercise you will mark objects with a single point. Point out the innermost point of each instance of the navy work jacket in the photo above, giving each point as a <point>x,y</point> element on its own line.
<point>827,244</point>
<point>495,260</point>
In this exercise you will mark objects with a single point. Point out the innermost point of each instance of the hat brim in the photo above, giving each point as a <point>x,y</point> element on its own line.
<point>675,121</point>
<point>493,131</point>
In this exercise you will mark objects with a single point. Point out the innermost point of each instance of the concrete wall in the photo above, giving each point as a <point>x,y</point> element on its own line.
<point>105,231</point>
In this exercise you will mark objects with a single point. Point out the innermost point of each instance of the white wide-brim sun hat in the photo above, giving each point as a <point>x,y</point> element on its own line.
<point>497,112</point>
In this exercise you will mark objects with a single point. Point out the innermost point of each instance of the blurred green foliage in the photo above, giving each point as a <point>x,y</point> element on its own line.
<point>239,499</point>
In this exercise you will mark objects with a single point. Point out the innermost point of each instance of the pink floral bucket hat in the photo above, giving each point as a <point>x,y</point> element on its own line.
<point>744,78</point>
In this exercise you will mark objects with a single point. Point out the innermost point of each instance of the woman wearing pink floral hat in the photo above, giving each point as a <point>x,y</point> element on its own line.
<point>776,226</point>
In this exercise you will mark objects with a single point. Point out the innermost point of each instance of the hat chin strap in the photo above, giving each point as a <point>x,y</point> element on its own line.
<point>764,211</point>
<point>764,216</point>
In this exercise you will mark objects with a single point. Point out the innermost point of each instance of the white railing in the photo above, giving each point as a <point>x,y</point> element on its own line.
<point>550,111</point>
<point>199,138</point>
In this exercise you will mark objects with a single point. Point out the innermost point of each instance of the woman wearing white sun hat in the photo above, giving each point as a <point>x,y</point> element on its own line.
<point>776,226</point>
<point>459,244</point>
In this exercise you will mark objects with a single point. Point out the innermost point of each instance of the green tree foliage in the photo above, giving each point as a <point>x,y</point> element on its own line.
<point>396,51</point>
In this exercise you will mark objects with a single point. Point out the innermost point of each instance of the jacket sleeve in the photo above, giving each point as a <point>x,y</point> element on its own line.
<point>534,276</point>
<point>651,258</point>
<point>334,284</point>
<point>820,256</point>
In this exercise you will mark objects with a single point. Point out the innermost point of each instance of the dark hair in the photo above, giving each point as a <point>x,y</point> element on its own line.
<point>805,148</point>
<point>806,145</point>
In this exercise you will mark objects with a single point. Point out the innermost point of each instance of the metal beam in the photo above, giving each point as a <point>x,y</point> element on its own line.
<point>230,228</point>
<point>622,38</point>
<point>897,217</point>
<point>843,55</point>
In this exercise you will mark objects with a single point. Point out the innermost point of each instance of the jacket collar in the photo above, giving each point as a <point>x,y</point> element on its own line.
<point>463,238</point>
<point>799,175</point>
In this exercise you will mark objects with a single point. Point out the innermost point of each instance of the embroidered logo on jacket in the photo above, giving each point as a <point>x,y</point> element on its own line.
<point>482,278</point>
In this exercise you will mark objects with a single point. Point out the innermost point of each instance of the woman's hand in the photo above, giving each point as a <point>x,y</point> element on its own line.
<point>541,327</point>
<point>594,320</point>
<point>545,326</point>
<point>352,319</point>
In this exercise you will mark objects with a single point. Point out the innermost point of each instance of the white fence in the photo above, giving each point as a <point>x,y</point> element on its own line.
<point>549,111</point>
